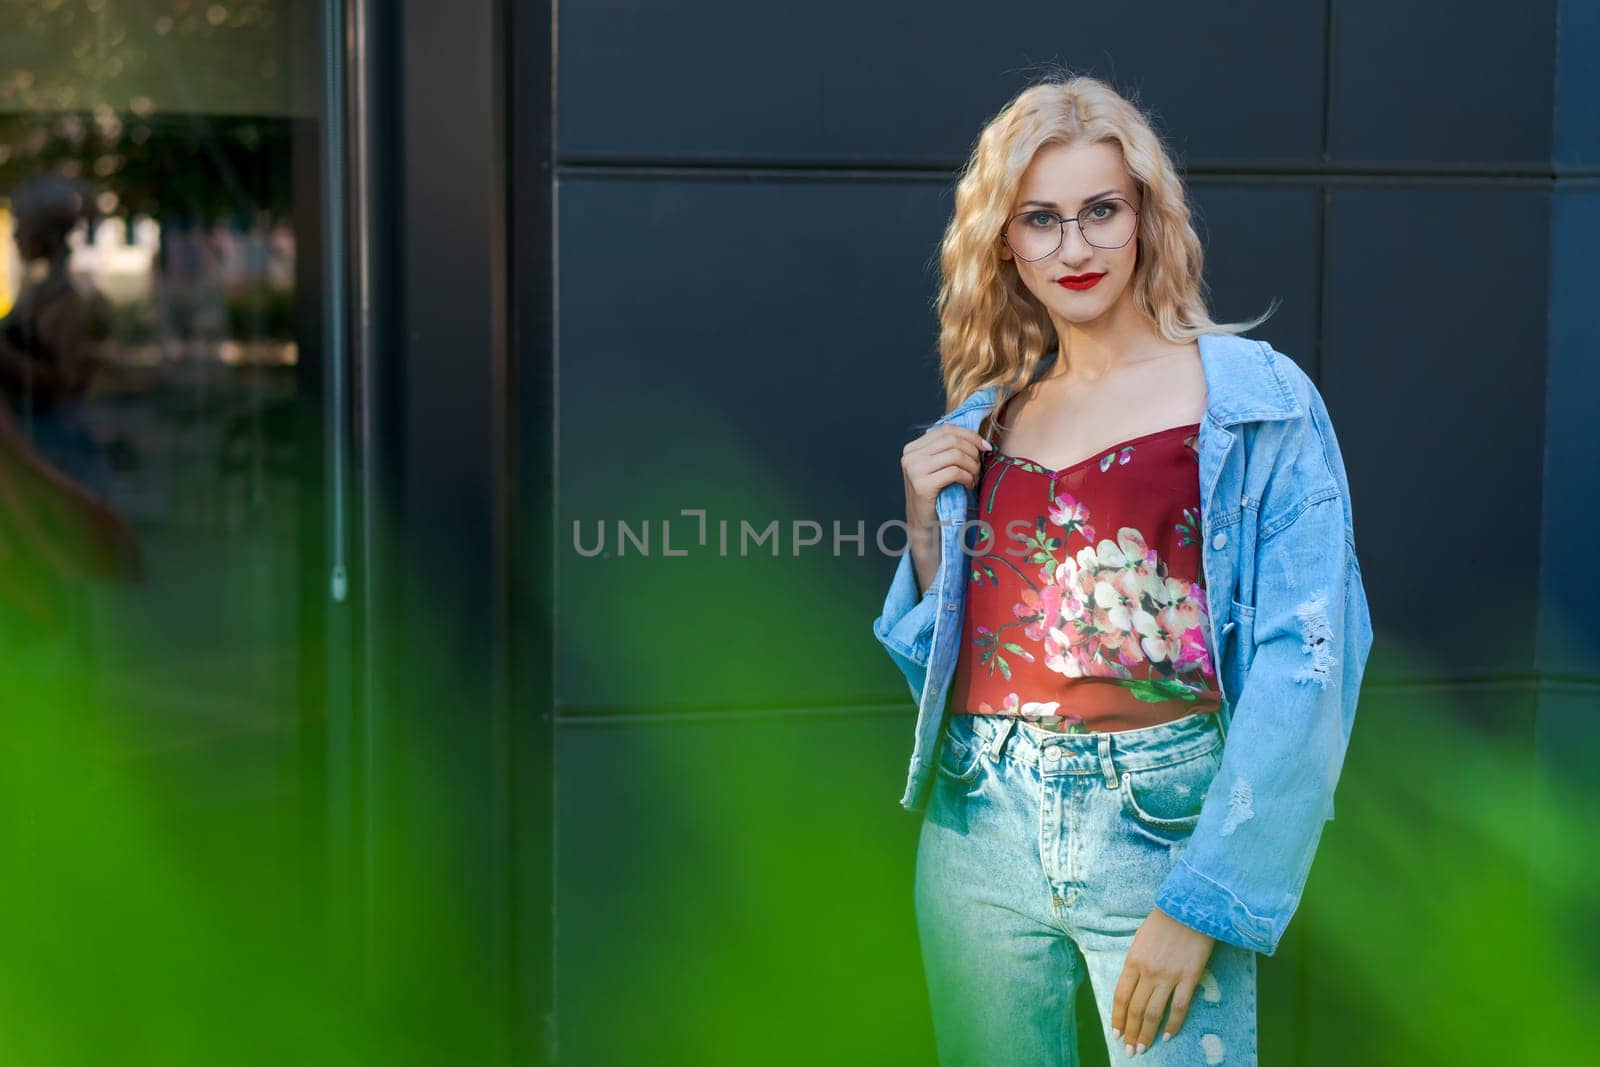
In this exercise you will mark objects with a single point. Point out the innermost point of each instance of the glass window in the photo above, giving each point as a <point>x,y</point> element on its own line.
<point>159,197</point>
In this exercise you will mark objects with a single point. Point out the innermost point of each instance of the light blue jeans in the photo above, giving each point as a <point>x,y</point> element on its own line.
<point>1040,855</point>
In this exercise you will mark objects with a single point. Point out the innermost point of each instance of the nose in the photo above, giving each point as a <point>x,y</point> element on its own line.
<point>1074,249</point>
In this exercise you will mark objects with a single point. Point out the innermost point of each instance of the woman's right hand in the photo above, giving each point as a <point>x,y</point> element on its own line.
<point>941,457</point>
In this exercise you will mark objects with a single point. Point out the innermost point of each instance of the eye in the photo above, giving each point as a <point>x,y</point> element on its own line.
<point>1041,219</point>
<point>1105,210</point>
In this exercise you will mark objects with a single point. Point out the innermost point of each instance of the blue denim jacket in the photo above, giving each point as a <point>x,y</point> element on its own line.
<point>1289,634</point>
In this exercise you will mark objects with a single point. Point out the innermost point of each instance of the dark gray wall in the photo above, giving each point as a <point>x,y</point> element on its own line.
<point>747,202</point>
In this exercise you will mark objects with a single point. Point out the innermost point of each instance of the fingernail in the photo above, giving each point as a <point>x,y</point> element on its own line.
<point>987,443</point>
<point>1139,1049</point>
<point>1128,1049</point>
<point>1116,1033</point>
<point>1166,1037</point>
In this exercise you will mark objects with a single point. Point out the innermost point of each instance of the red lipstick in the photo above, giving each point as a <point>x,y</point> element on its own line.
<point>1080,281</point>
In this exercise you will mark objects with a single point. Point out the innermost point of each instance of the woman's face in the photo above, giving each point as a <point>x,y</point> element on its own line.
<point>1067,180</point>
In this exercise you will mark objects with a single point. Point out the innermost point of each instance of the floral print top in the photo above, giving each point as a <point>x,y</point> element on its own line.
<point>1086,607</point>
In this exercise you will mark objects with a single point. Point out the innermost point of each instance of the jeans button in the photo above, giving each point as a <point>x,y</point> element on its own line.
<point>1219,540</point>
<point>1052,753</point>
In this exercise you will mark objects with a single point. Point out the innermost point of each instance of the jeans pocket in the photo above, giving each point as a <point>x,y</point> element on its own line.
<point>1165,801</point>
<point>959,759</point>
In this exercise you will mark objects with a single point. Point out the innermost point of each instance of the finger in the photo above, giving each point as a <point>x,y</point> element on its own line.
<point>963,454</point>
<point>936,450</point>
<point>1153,1009</point>
<point>943,474</point>
<point>955,472</point>
<point>950,434</point>
<point>1181,998</point>
<point>1136,1004</point>
<point>938,453</point>
<point>1119,1000</point>
<point>971,437</point>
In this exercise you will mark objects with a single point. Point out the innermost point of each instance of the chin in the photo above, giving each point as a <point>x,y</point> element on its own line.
<point>1084,310</point>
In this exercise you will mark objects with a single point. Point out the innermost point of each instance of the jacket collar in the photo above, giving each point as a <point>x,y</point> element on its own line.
<point>1243,384</point>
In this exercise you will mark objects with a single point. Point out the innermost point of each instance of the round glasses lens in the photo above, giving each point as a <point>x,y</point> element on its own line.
<point>1107,224</point>
<point>1034,234</point>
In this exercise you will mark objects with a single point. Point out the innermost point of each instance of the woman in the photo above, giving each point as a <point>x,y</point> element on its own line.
<point>1132,574</point>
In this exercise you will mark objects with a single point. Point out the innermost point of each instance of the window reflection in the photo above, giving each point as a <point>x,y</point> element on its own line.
<point>158,179</point>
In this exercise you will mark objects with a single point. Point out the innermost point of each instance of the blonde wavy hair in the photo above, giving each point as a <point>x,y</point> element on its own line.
<point>992,330</point>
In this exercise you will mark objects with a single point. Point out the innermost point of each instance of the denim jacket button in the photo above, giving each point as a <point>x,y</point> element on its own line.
<point>1219,540</point>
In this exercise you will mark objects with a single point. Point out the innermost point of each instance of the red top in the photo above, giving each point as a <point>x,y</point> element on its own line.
<point>1086,607</point>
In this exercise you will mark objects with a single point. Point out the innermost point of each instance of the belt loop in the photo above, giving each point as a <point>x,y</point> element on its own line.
<point>1106,766</point>
<point>1003,731</point>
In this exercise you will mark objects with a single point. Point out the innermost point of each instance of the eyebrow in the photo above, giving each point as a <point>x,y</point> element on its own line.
<point>1087,200</point>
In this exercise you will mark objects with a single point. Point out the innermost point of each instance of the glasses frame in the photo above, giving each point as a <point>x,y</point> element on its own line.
<point>1063,220</point>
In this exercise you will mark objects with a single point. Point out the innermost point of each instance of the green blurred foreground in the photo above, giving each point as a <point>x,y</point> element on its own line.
<point>1451,920</point>
<point>141,926</point>
<point>731,890</point>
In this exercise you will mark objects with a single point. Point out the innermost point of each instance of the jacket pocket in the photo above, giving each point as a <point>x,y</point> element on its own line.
<point>1238,649</point>
<point>1244,633</point>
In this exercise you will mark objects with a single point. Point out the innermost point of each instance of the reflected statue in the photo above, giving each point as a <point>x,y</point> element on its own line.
<point>51,341</point>
<point>55,528</point>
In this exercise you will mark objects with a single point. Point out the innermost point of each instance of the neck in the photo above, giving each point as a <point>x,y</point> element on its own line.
<point>1088,351</point>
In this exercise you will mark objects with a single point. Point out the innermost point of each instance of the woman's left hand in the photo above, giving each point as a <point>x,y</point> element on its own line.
<point>1165,962</point>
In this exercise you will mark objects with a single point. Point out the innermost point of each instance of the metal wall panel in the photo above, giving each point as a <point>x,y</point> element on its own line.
<point>1467,90</point>
<point>1436,329</point>
<point>878,83</point>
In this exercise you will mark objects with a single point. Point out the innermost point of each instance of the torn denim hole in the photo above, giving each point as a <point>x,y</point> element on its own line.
<point>1240,801</point>
<point>1318,635</point>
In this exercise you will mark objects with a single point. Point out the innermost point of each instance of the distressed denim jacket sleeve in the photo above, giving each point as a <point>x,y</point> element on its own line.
<point>905,627</point>
<point>1305,630</point>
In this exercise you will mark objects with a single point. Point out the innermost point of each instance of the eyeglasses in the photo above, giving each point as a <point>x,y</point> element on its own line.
<point>1036,234</point>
